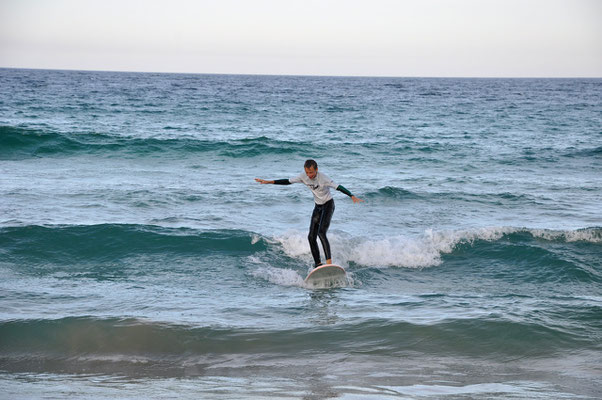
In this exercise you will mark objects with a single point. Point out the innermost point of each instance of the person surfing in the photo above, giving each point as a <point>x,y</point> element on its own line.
<point>320,185</point>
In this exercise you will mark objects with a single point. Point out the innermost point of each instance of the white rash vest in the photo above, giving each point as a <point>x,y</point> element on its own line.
<point>320,186</point>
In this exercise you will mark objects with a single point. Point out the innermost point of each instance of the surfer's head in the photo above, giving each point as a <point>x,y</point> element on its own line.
<point>311,169</point>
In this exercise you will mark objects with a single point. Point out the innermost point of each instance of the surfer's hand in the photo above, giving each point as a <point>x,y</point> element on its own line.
<point>262,181</point>
<point>356,199</point>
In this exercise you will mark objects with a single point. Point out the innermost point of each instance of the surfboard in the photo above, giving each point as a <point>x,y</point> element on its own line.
<point>327,276</point>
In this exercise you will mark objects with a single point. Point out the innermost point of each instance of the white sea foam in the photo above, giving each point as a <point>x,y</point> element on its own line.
<point>417,252</point>
<point>290,277</point>
<point>404,251</point>
<point>420,251</point>
<point>294,243</point>
<point>255,238</point>
<point>279,276</point>
<point>591,235</point>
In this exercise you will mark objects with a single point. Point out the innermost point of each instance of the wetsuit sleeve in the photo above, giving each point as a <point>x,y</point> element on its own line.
<point>282,182</point>
<point>342,189</point>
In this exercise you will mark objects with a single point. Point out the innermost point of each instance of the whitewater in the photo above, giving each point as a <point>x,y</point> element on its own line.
<point>139,258</point>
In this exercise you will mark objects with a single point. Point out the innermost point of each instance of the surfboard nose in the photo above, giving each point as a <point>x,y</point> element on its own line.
<point>327,276</point>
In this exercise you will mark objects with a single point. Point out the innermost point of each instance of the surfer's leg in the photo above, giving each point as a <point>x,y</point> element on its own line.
<point>313,234</point>
<point>325,217</point>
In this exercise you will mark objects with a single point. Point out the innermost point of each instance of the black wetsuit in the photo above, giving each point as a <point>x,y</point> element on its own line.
<point>323,210</point>
<point>320,221</point>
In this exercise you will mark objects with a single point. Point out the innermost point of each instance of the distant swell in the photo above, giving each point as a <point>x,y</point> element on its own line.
<point>394,195</point>
<point>592,152</point>
<point>391,193</point>
<point>18,143</point>
<point>69,244</point>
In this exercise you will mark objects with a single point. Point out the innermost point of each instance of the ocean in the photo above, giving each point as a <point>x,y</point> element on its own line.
<point>140,259</point>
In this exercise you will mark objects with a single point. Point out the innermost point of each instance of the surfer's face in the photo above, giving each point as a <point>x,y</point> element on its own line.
<point>311,172</point>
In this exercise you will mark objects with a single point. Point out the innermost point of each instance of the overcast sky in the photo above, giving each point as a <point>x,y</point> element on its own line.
<point>447,38</point>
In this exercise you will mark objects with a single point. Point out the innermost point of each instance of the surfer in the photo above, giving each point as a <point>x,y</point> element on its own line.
<point>320,185</point>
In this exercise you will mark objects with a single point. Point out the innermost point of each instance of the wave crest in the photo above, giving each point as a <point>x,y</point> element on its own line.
<point>427,250</point>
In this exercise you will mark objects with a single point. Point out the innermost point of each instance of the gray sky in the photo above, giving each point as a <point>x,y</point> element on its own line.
<point>481,38</point>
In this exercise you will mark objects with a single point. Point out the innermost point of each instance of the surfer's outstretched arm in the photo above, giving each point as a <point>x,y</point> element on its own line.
<point>273,182</point>
<point>342,189</point>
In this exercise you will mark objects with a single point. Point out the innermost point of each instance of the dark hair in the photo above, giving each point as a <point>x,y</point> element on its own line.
<point>311,163</point>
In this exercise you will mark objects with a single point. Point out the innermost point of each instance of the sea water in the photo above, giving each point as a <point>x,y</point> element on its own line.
<point>140,259</point>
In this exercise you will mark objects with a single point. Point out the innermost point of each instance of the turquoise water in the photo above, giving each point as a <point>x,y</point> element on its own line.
<point>138,257</point>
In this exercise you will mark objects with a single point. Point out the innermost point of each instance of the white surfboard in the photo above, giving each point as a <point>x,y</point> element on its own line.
<point>326,276</point>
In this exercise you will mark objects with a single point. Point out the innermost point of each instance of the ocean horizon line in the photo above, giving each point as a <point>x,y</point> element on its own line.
<point>484,77</point>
